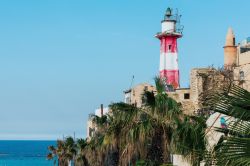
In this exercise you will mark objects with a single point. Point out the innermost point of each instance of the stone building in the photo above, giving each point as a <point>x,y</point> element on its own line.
<point>134,95</point>
<point>91,126</point>
<point>237,59</point>
<point>242,67</point>
<point>201,79</point>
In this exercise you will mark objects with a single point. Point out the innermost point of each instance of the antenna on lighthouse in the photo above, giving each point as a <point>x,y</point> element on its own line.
<point>179,27</point>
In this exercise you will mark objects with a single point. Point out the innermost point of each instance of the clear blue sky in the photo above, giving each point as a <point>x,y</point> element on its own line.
<point>60,59</point>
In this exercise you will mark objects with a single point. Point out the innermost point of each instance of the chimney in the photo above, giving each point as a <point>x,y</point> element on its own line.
<point>101,110</point>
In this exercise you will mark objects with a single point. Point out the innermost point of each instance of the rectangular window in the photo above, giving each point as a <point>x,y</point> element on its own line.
<point>186,96</point>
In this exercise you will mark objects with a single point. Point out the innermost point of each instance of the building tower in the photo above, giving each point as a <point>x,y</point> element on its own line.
<point>230,50</point>
<point>168,52</point>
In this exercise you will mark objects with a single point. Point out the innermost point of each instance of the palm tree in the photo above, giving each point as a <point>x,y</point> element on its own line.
<point>81,152</point>
<point>119,137</point>
<point>164,111</point>
<point>64,152</point>
<point>143,133</point>
<point>234,147</point>
<point>58,153</point>
<point>70,148</point>
<point>189,139</point>
<point>184,134</point>
<point>153,132</point>
<point>52,154</point>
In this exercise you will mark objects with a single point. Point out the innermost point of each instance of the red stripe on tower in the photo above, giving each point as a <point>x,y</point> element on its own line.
<point>169,51</point>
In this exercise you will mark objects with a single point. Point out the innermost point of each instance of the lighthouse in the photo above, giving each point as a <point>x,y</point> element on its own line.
<point>170,32</point>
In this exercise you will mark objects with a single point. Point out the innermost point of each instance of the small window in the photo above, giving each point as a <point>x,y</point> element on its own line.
<point>242,75</point>
<point>186,96</point>
<point>169,47</point>
<point>146,88</point>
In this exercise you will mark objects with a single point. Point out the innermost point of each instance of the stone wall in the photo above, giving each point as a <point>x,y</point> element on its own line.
<point>136,93</point>
<point>183,96</point>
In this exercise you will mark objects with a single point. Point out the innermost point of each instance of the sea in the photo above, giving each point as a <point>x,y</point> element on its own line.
<point>25,153</point>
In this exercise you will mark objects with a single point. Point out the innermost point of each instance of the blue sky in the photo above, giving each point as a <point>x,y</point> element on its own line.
<point>60,59</point>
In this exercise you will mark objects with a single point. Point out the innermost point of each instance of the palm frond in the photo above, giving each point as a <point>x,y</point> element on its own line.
<point>149,98</point>
<point>234,151</point>
<point>234,102</point>
<point>160,85</point>
<point>234,147</point>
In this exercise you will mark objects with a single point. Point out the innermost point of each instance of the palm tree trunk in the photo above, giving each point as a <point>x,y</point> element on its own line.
<point>155,152</point>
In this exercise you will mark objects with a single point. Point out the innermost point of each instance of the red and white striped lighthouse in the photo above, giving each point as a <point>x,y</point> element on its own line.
<point>169,51</point>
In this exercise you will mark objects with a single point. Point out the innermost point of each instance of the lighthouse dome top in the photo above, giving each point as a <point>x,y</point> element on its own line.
<point>168,12</point>
<point>169,15</point>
